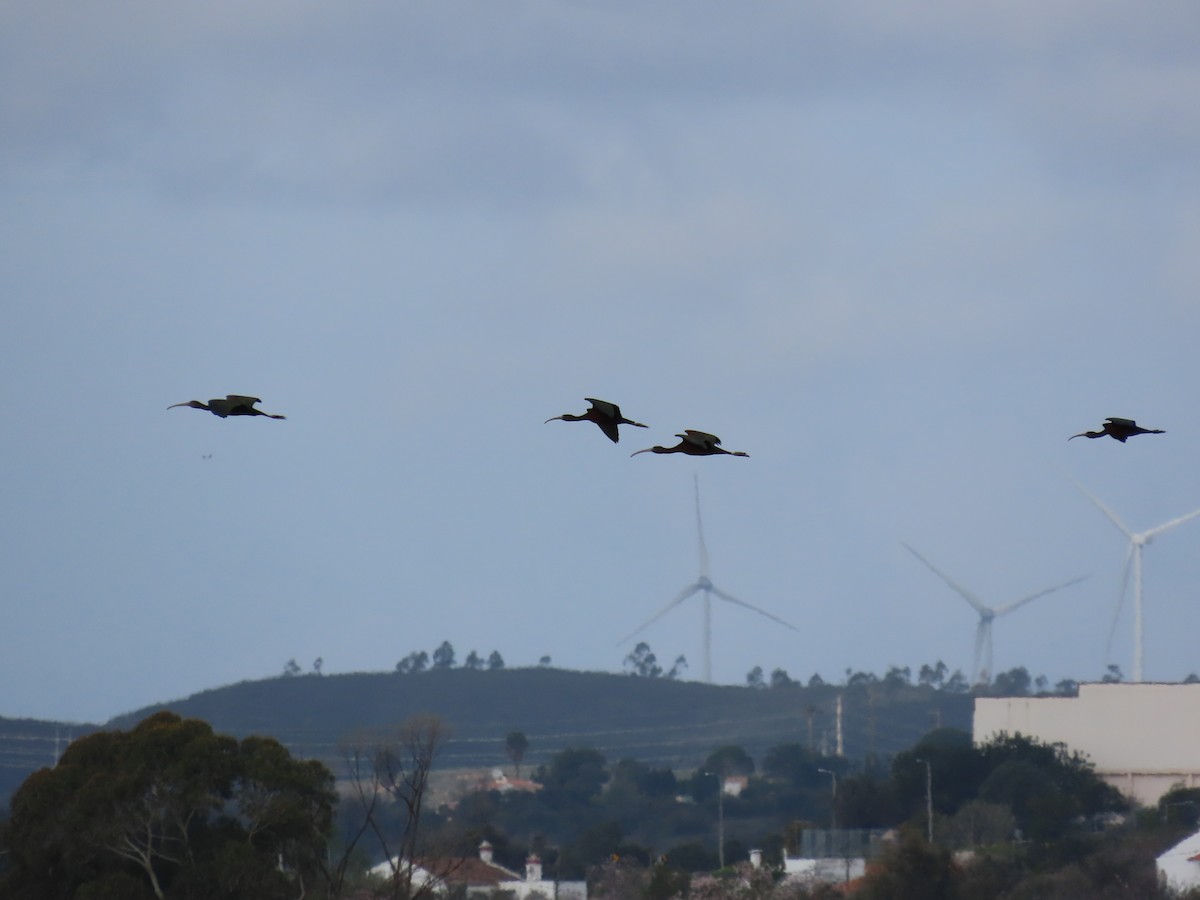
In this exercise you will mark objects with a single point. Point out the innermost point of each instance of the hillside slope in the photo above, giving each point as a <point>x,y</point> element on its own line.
<point>658,721</point>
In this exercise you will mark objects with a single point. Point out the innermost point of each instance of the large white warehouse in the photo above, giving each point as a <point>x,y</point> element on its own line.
<point>1142,738</point>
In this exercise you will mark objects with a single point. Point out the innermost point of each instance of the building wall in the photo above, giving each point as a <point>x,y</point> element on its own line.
<point>1142,738</point>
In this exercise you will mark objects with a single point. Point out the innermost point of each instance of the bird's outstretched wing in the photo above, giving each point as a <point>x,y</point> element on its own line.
<point>604,407</point>
<point>241,400</point>
<point>703,438</point>
<point>1129,423</point>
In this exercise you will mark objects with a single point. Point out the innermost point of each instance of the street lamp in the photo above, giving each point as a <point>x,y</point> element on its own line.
<point>833,797</point>
<point>720,819</point>
<point>928,798</point>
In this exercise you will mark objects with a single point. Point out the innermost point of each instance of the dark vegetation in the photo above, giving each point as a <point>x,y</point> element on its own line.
<point>629,768</point>
<point>662,722</point>
<point>171,809</point>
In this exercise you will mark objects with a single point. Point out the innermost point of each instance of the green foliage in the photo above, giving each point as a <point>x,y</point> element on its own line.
<point>1180,806</point>
<point>175,808</point>
<point>729,760</point>
<point>642,662</point>
<point>1013,683</point>
<point>443,656</point>
<point>574,776</point>
<point>913,870</point>
<point>515,746</point>
<point>417,661</point>
<point>1044,786</point>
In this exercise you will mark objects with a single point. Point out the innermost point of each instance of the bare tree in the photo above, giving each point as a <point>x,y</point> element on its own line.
<point>394,768</point>
<point>515,746</point>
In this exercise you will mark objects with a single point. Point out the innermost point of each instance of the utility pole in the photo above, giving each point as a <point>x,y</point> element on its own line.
<point>928,799</point>
<point>840,748</point>
<point>833,799</point>
<point>720,821</point>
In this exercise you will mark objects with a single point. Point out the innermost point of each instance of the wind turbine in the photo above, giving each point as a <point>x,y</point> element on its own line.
<point>703,584</point>
<point>1137,542</point>
<point>987,615</point>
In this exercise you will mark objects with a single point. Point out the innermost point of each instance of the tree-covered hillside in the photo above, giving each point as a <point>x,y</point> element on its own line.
<point>660,721</point>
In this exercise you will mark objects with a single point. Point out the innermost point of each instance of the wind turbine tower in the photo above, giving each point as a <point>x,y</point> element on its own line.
<point>987,615</point>
<point>703,584</point>
<point>1137,543</point>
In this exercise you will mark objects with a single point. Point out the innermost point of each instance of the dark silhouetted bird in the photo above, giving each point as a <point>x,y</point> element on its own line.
<point>232,405</point>
<point>606,415</point>
<point>1119,429</point>
<point>695,443</point>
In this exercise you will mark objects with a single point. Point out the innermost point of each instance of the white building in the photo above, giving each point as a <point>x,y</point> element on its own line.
<point>482,876</point>
<point>1179,867</point>
<point>1142,738</point>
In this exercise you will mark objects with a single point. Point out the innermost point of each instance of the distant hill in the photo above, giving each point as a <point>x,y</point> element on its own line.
<point>659,721</point>
<point>27,745</point>
<point>656,720</point>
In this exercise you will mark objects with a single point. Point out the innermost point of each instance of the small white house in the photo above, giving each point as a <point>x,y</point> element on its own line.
<point>1179,867</point>
<point>482,875</point>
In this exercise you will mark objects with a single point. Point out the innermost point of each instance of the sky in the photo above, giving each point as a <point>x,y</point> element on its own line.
<point>898,254</point>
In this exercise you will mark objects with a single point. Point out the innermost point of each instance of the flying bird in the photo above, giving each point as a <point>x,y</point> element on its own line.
<point>232,405</point>
<point>695,443</point>
<point>604,414</point>
<point>1119,429</point>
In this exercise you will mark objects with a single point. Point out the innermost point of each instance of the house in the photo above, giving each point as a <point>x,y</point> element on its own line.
<point>502,783</point>
<point>481,876</point>
<point>1141,737</point>
<point>1179,867</point>
<point>733,785</point>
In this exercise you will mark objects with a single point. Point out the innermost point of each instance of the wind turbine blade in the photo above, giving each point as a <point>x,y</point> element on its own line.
<point>1112,631</point>
<point>1167,526</point>
<point>679,598</point>
<point>1016,604</point>
<point>700,529</point>
<point>1112,516</point>
<point>762,612</point>
<point>962,591</point>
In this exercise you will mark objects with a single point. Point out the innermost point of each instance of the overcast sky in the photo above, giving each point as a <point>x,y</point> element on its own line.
<point>899,253</point>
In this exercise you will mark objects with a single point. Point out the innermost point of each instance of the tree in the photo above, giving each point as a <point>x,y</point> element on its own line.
<point>678,667</point>
<point>730,760</point>
<point>291,667</point>
<point>495,661</point>
<point>417,661</point>
<point>473,661</point>
<point>574,776</point>
<point>913,870</point>
<point>754,678</point>
<point>515,746</point>
<point>174,808</point>
<point>544,661</point>
<point>1013,683</point>
<point>957,683</point>
<point>395,765</point>
<point>1068,687</point>
<point>933,676</point>
<point>443,656</point>
<point>317,663</point>
<point>793,764</point>
<point>642,662</point>
<point>780,679</point>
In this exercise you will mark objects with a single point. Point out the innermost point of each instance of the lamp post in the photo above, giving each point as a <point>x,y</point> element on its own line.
<point>928,799</point>
<point>720,818</point>
<point>833,798</point>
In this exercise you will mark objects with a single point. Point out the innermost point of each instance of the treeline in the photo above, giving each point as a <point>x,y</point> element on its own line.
<point>173,810</point>
<point>643,663</point>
